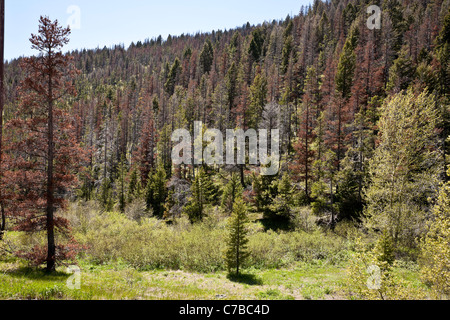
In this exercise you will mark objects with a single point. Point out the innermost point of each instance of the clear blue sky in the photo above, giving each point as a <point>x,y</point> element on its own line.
<point>105,23</point>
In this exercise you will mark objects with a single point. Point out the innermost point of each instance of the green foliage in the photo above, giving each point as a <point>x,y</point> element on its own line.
<point>121,185</point>
<point>371,277</point>
<point>258,99</point>
<point>172,77</point>
<point>207,57</point>
<point>134,186</point>
<point>112,237</point>
<point>265,189</point>
<point>106,195</point>
<point>232,190</point>
<point>346,66</point>
<point>277,250</point>
<point>256,45</point>
<point>435,247</point>
<point>405,169</point>
<point>284,201</point>
<point>237,251</point>
<point>156,192</point>
<point>401,73</point>
<point>286,55</point>
<point>203,192</point>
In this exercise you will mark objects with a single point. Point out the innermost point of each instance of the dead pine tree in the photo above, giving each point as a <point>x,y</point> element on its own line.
<point>44,150</point>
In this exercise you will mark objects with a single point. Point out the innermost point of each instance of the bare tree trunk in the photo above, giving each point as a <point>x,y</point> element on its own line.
<point>2,45</point>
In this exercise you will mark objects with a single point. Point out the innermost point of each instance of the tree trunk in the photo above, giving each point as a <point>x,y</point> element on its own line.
<point>2,43</point>
<point>50,187</point>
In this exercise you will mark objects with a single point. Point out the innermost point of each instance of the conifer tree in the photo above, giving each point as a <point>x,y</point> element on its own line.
<point>156,192</point>
<point>237,251</point>
<point>2,102</point>
<point>284,201</point>
<point>134,186</point>
<point>207,57</point>
<point>233,189</point>
<point>43,147</point>
<point>121,184</point>
<point>305,155</point>
<point>173,77</point>
<point>401,73</point>
<point>258,99</point>
<point>106,195</point>
<point>203,193</point>
<point>256,45</point>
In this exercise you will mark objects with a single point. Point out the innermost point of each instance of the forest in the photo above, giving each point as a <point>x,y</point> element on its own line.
<point>360,204</point>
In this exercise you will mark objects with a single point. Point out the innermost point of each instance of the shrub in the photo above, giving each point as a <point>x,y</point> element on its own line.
<point>371,276</point>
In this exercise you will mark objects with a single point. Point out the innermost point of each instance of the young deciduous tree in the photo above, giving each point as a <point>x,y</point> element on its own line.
<point>236,251</point>
<point>43,149</point>
<point>405,168</point>
<point>435,247</point>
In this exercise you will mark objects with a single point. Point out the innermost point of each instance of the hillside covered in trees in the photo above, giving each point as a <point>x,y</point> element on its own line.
<point>363,116</point>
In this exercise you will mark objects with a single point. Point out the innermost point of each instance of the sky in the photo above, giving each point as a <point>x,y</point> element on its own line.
<point>99,23</point>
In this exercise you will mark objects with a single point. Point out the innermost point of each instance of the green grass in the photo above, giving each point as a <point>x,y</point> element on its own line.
<point>118,281</point>
<point>315,280</point>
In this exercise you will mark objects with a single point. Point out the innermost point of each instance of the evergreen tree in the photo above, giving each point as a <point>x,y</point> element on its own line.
<point>284,201</point>
<point>233,189</point>
<point>346,67</point>
<point>106,196</point>
<point>121,185</point>
<point>237,252</point>
<point>203,193</point>
<point>134,186</point>
<point>156,192</point>
<point>172,78</point>
<point>42,143</point>
<point>207,57</point>
<point>256,45</point>
<point>258,99</point>
<point>401,73</point>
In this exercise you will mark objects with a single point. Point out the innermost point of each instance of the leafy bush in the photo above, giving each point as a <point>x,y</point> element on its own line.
<point>372,275</point>
<point>276,250</point>
<point>151,244</point>
<point>304,219</point>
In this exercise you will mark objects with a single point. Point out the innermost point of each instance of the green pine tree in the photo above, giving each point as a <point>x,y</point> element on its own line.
<point>156,192</point>
<point>401,73</point>
<point>346,67</point>
<point>258,99</point>
<point>207,57</point>
<point>121,184</point>
<point>233,189</point>
<point>284,201</point>
<point>237,251</point>
<point>203,193</point>
<point>134,186</point>
<point>106,196</point>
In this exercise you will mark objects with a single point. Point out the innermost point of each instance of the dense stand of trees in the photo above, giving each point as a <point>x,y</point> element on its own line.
<point>331,85</point>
